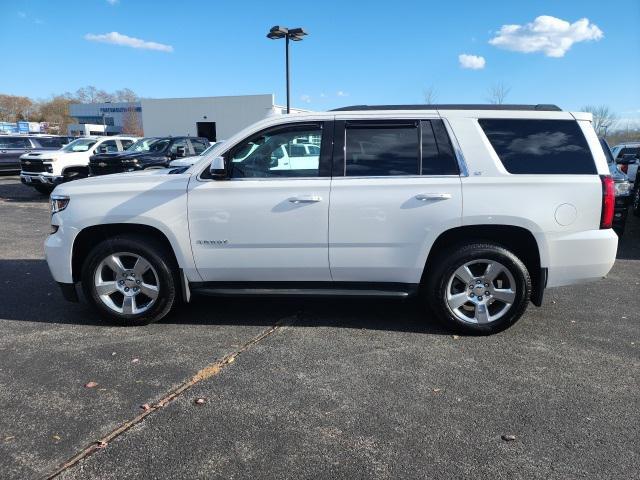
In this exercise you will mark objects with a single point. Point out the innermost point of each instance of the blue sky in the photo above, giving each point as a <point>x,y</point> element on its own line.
<point>357,51</point>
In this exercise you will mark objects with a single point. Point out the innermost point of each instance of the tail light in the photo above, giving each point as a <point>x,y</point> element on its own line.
<point>608,201</point>
<point>624,168</point>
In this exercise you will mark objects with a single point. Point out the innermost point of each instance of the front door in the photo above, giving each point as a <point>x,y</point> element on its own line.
<point>265,223</point>
<point>396,187</point>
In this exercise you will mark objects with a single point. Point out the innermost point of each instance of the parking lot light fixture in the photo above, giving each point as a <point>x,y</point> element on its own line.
<point>294,34</point>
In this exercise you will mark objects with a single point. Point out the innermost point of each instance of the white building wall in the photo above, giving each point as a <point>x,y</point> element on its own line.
<point>178,116</point>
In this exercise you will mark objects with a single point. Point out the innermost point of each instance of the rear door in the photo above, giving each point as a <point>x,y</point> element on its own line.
<point>396,186</point>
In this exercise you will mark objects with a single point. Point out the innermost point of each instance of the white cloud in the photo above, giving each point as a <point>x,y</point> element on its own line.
<point>340,93</point>
<point>550,35</point>
<point>305,98</point>
<point>473,62</point>
<point>113,2</point>
<point>116,38</point>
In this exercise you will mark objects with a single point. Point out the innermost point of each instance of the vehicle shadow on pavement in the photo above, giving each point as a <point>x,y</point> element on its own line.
<point>629,244</point>
<point>29,294</point>
<point>10,191</point>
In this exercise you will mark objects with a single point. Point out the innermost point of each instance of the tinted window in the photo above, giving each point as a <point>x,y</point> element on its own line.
<point>266,155</point>
<point>180,143</point>
<point>108,146</point>
<point>540,146</point>
<point>629,151</point>
<point>126,143</point>
<point>437,153</point>
<point>14,142</point>
<point>199,146</point>
<point>381,149</point>
<point>45,142</point>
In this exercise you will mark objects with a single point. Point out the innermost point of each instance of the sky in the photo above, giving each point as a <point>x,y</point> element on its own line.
<point>568,52</point>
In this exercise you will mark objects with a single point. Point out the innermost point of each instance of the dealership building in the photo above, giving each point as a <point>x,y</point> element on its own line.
<point>216,118</point>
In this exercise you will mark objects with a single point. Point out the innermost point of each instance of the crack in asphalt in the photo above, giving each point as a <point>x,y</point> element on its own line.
<point>209,371</point>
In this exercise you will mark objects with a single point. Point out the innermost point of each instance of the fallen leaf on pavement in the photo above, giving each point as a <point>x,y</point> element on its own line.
<point>145,407</point>
<point>436,390</point>
<point>200,401</point>
<point>135,360</point>
<point>508,438</point>
<point>91,384</point>
<point>101,445</point>
<point>455,337</point>
<point>56,437</point>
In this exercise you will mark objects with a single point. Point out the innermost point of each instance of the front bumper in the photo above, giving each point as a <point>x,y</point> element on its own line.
<point>40,178</point>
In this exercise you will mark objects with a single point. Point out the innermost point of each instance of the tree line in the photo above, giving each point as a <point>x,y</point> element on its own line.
<point>55,109</point>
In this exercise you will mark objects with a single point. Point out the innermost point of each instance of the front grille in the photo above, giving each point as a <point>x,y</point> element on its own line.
<point>32,166</point>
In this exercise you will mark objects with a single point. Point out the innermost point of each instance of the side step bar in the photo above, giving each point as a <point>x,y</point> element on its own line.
<point>374,290</point>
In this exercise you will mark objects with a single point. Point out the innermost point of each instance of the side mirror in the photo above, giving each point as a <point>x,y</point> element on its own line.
<point>180,151</point>
<point>217,170</point>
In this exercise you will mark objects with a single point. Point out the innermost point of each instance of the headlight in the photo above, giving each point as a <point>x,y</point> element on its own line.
<point>622,188</point>
<point>58,203</point>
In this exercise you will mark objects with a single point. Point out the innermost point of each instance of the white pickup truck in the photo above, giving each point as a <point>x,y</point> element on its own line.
<point>476,209</point>
<point>44,169</point>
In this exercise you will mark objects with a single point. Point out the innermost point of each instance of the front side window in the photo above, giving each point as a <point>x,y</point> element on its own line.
<point>539,146</point>
<point>374,150</point>
<point>274,153</point>
<point>198,146</point>
<point>180,143</point>
<point>126,143</point>
<point>108,146</point>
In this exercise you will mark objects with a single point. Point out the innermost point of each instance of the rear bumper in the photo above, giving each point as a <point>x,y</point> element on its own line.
<point>581,257</point>
<point>40,178</point>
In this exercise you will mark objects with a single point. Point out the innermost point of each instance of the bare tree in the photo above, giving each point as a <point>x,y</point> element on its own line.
<point>497,93</point>
<point>55,111</point>
<point>430,95</point>
<point>14,108</point>
<point>131,124</point>
<point>91,94</point>
<point>125,95</point>
<point>603,118</point>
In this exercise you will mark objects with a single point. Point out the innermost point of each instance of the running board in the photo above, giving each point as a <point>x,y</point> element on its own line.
<point>384,291</point>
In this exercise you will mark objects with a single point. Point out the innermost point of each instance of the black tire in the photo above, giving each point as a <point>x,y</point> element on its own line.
<point>442,269</point>
<point>43,189</point>
<point>156,255</point>
<point>635,204</point>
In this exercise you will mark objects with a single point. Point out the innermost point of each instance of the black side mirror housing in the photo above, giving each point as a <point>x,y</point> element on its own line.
<point>217,169</point>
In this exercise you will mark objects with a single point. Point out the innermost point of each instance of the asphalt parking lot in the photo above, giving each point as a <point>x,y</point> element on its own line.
<point>311,389</point>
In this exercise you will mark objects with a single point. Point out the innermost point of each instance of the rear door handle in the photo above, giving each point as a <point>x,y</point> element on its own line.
<point>425,197</point>
<point>306,199</point>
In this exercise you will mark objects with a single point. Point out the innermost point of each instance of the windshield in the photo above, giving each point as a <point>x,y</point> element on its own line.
<point>80,145</point>
<point>149,145</point>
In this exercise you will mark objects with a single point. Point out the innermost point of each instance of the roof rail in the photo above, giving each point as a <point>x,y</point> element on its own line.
<point>451,106</point>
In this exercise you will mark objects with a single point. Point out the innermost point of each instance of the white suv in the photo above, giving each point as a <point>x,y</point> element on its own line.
<point>477,209</point>
<point>43,169</point>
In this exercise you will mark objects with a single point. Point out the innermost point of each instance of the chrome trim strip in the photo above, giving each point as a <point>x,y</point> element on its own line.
<point>462,164</point>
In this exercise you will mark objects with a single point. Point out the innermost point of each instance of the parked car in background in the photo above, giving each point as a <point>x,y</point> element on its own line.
<point>14,146</point>
<point>627,156</point>
<point>147,153</point>
<point>44,170</point>
<point>623,191</point>
<point>377,212</point>
<point>188,161</point>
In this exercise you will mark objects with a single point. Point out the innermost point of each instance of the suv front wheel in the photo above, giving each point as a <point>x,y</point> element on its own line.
<point>479,288</point>
<point>129,280</point>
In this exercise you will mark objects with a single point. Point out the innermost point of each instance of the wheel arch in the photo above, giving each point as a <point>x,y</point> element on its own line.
<point>90,236</point>
<point>521,241</point>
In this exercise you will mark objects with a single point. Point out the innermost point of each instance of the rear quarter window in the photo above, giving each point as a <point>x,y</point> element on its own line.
<point>524,146</point>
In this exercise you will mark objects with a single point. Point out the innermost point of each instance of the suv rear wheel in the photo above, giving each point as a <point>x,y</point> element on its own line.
<point>130,281</point>
<point>479,288</point>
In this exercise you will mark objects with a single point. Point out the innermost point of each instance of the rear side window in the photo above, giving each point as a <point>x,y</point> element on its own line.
<point>540,146</point>
<point>377,150</point>
<point>437,153</point>
<point>44,142</point>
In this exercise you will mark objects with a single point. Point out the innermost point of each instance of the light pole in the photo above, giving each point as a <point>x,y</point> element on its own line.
<point>293,34</point>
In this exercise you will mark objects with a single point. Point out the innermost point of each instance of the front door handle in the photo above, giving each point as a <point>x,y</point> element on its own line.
<point>425,197</point>
<point>306,199</point>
